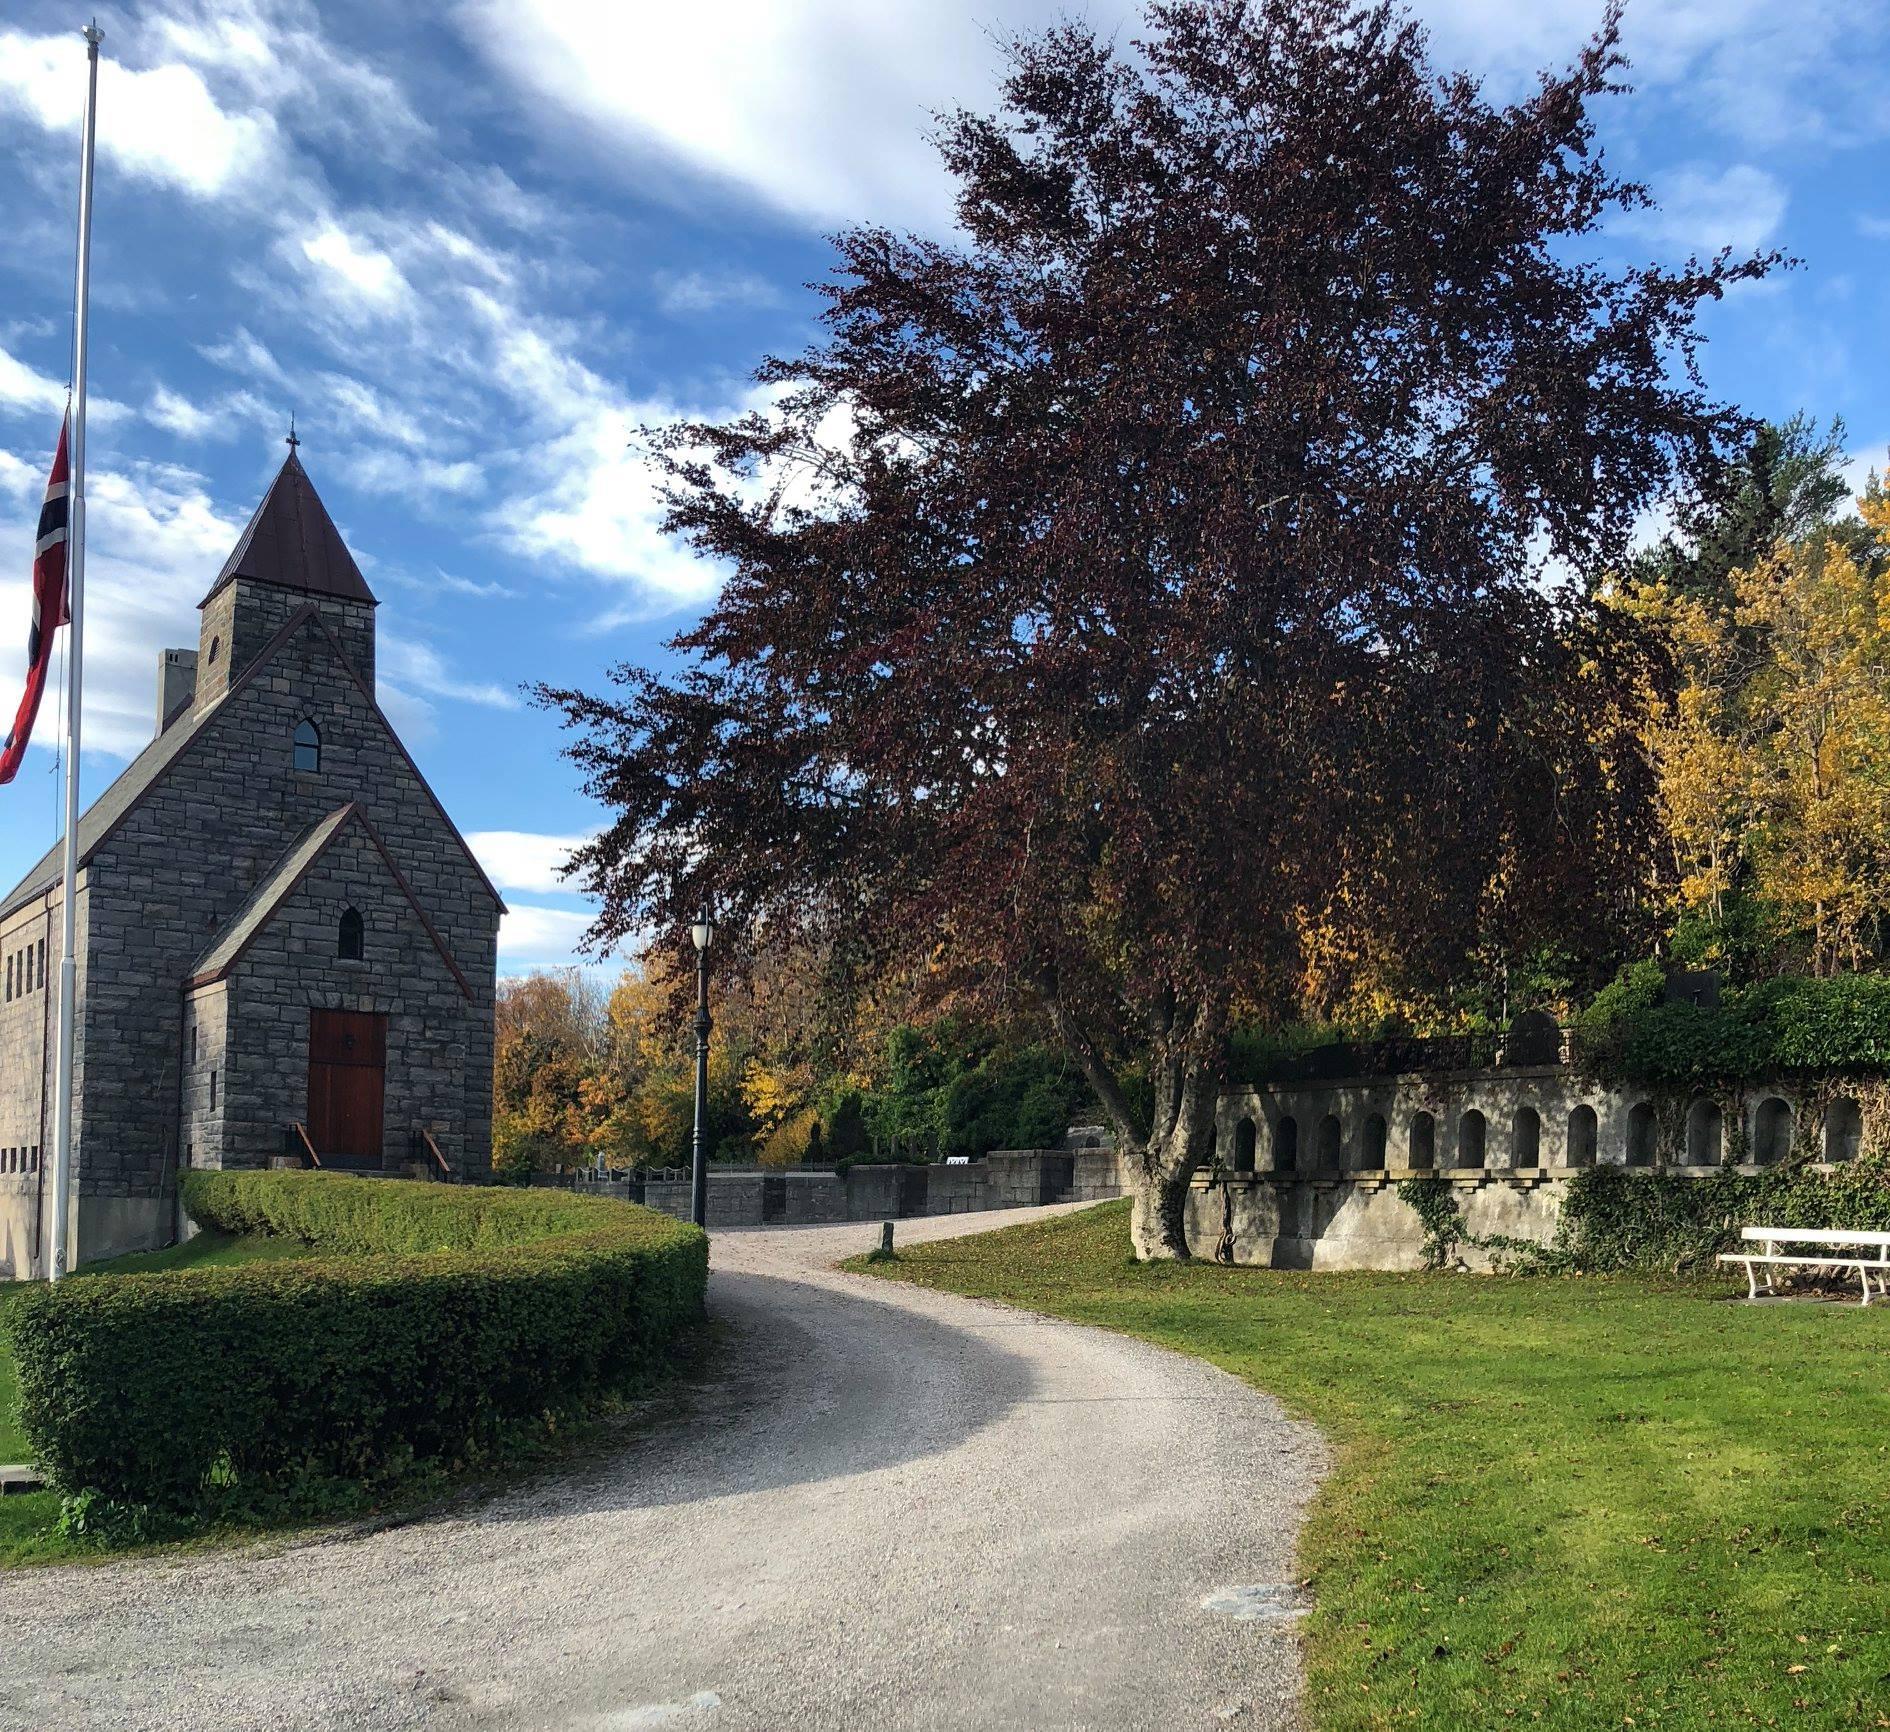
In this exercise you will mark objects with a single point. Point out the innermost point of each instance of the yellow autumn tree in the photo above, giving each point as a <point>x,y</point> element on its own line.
<point>1773,746</point>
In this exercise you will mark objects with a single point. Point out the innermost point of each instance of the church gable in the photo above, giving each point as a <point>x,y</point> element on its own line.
<point>339,898</point>
<point>297,736</point>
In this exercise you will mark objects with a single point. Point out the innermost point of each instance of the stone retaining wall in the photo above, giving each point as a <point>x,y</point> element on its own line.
<point>1005,1179</point>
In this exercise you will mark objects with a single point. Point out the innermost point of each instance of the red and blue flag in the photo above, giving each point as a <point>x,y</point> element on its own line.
<point>50,609</point>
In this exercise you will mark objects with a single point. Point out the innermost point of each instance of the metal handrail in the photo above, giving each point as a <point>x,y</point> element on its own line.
<point>308,1148</point>
<point>439,1160</point>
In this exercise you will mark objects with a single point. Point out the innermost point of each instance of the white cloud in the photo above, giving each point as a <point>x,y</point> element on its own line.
<point>161,124</point>
<point>524,859</point>
<point>179,415</point>
<point>819,106</point>
<point>706,291</point>
<point>418,667</point>
<point>154,540</point>
<point>531,933</point>
<point>354,271</point>
<point>1876,228</point>
<point>25,390</point>
<point>1701,210</point>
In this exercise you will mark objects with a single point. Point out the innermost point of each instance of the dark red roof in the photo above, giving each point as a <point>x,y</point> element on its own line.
<point>292,542</point>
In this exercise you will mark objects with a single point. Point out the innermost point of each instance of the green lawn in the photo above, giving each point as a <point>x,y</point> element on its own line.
<point>26,1521</point>
<point>1565,1503</point>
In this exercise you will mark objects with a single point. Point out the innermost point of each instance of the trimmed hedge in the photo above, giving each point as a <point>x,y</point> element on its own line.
<point>461,1314</point>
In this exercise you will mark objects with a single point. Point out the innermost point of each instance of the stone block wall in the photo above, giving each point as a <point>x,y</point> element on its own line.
<point>292,968</point>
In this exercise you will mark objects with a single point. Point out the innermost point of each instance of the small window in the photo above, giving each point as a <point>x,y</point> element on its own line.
<point>213,1091</point>
<point>42,963</point>
<point>216,649</point>
<point>9,980</point>
<point>308,746</point>
<point>193,1043</point>
<point>352,945</point>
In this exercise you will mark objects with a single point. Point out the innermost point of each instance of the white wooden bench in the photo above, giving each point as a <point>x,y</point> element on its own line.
<point>1822,1248</point>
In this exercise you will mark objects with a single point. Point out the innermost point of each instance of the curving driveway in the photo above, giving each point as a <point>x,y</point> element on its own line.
<point>882,1508</point>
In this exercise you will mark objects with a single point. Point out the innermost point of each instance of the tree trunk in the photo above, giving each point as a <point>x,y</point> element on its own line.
<point>1158,1217</point>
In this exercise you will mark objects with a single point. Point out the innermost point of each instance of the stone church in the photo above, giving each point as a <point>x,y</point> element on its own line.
<point>286,949</point>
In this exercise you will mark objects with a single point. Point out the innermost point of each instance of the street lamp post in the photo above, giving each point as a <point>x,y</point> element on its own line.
<point>702,930</point>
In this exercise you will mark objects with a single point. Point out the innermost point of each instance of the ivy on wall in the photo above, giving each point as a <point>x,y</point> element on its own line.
<point>1615,1221</point>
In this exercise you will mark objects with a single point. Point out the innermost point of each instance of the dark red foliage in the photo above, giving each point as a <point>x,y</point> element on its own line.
<point>1162,566</point>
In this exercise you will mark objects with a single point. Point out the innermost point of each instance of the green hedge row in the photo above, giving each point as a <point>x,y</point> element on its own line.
<point>1773,1028</point>
<point>459,1314</point>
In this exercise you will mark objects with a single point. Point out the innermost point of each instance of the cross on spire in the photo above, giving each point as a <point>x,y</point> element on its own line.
<point>292,442</point>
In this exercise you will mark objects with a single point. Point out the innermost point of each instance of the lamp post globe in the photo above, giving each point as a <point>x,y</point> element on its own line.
<point>701,932</point>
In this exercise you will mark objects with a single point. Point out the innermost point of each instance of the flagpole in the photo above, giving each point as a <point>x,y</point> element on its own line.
<point>63,1234</point>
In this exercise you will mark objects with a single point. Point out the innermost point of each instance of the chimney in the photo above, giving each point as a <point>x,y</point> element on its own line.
<point>177,684</point>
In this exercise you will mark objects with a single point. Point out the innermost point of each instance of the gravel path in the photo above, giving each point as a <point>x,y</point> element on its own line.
<point>884,1508</point>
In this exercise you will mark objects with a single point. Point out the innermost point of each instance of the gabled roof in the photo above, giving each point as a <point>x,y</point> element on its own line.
<point>227,948</point>
<point>292,542</point>
<point>147,769</point>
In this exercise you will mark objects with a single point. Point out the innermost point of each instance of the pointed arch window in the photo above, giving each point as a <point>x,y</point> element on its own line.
<point>351,946</point>
<point>308,746</point>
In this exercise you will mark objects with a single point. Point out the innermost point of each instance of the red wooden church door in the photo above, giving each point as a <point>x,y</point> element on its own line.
<point>347,1081</point>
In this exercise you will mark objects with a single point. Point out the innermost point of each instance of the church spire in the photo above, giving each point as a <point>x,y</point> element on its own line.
<point>292,543</point>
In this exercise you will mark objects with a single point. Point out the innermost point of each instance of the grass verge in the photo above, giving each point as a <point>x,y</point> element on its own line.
<point>1569,1503</point>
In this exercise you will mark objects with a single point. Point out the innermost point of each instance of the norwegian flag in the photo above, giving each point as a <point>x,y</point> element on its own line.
<point>49,608</point>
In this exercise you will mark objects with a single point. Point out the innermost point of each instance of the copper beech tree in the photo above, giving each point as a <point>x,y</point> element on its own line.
<point>1148,590</point>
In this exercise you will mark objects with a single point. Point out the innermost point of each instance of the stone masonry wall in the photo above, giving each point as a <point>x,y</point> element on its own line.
<point>292,968</point>
<point>245,616</point>
<point>185,859</point>
<point>1306,1174</point>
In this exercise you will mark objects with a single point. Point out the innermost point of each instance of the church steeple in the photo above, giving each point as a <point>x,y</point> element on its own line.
<point>290,555</point>
<point>292,542</point>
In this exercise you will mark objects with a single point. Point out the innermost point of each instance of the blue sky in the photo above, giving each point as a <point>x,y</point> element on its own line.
<point>473,246</point>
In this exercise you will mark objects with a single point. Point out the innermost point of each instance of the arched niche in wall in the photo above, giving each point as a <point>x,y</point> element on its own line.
<point>1772,1131</point>
<point>1371,1154</point>
<point>1286,1144</point>
<point>1472,1139</point>
<point>1706,1132</point>
<point>1246,1143</point>
<point>1583,1135</point>
<point>1525,1138</point>
<point>1843,1129</point>
<point>1641,1128</point>
<point>1421,1141</point>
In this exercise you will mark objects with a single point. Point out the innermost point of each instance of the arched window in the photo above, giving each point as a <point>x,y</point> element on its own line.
<point>216,649</point>
<point>352,945</point>
<point>1582,1137</point>
<point>1246,1139</point>
<point>1286,1144</point>
<point>1640,1135</point>
<point>1525,1138</point>
<point>1421,1140</point>
<point>308,746</point>
<point>1771,1131</point>
<point>1471,1135</point>
<point>1371,1154</point>
<point>1843,1129</point>
<point>1705,1132</point>
<point>1331,1144</point>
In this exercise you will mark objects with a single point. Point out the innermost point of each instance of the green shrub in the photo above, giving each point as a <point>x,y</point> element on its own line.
<point>1774,1028</point>
<point>463,1314</point>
